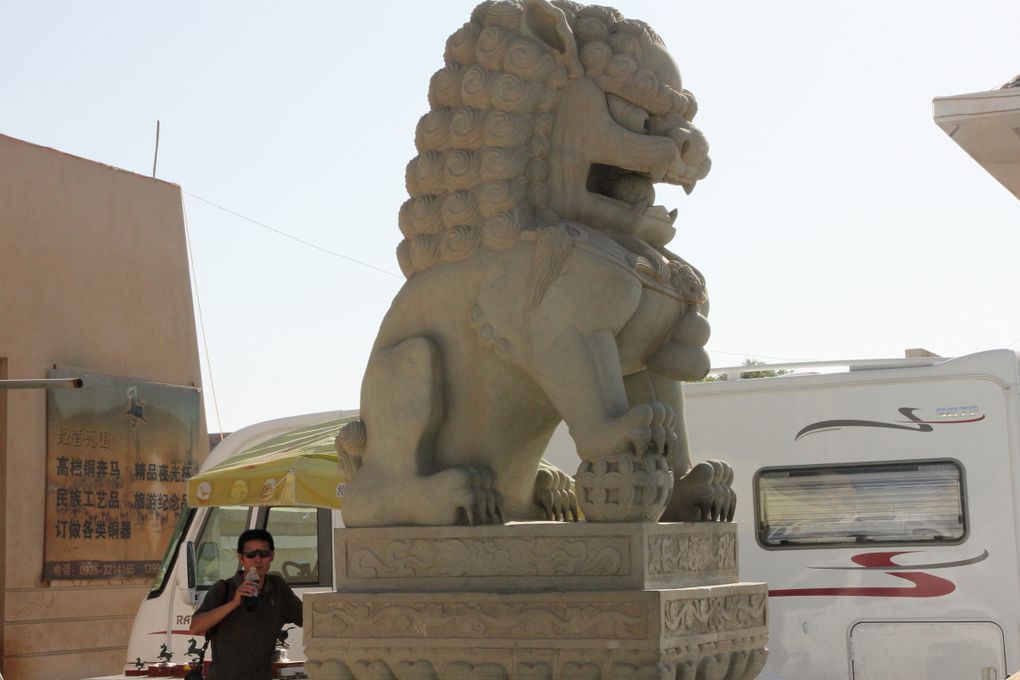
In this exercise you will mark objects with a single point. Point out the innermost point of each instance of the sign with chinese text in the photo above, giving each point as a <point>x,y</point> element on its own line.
<point>118,455</point>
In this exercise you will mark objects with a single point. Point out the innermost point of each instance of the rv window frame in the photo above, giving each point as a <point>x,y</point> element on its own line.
<point>324,536</point>
<point>834,545</point>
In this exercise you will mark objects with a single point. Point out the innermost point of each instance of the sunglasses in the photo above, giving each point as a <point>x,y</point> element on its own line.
<point>251,554</point>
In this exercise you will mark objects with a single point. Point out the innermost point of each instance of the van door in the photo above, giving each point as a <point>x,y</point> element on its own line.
<point>927,650</point>
<point>303,538</point>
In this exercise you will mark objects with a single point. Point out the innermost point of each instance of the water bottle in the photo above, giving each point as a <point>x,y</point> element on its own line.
<point>251,577</point>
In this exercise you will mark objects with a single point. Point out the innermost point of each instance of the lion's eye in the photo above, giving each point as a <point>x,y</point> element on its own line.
<point>632,117</point>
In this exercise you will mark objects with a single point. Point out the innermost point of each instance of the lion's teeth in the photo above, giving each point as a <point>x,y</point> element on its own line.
<point>672,215</point>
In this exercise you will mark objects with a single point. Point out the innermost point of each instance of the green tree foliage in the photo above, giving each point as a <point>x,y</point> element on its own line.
<point>744,375</point>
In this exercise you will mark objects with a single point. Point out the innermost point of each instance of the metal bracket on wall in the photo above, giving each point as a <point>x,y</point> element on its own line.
<point>43,384</point>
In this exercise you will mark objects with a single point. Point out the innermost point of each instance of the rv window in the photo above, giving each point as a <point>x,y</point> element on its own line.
<point>296,537</point>
<point>842,505</point>
<point>216,547</point>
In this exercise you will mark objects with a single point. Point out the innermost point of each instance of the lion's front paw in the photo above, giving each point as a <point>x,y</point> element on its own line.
<point>703,494</point>
<point>643,427</point>
<point>554,495</point>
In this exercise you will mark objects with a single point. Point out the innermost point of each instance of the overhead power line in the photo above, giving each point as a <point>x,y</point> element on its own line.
<point>201,324</point>
<point>292,237</point>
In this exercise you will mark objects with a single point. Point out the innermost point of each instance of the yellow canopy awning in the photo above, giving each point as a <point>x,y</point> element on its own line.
<point>295,468</point>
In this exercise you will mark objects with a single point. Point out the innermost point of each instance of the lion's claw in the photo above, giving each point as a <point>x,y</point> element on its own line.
<point>476,501</point>
<point>554,494</point>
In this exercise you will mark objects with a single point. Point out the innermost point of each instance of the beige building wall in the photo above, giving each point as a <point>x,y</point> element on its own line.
<point>94,277</point>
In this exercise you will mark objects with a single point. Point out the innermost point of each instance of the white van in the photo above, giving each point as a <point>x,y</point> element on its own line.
<point>877,501</point>
<point>203,548</point>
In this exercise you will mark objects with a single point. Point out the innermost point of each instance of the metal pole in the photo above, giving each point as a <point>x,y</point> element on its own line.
<point>155,154</point>
<point>42,384</point>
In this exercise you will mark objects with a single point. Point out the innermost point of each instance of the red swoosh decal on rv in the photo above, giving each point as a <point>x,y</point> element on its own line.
<point>924,585</point>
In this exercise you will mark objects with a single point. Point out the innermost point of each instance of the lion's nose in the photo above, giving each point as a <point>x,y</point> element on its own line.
<point>693,150</point>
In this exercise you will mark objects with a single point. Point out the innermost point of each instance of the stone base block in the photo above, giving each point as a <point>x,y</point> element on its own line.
<point>520,664</point>
<point>699,633</point>
<point>537,601</point>
<point>534,556</point>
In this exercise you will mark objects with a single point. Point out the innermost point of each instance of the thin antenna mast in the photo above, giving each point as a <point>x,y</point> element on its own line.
<point>155,155</point>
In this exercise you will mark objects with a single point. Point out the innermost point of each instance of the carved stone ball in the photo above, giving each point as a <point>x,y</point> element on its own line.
<point>624,487</point>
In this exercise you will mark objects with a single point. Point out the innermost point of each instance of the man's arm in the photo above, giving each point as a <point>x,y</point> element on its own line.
<point>202,621</point>
<point>294,611</point>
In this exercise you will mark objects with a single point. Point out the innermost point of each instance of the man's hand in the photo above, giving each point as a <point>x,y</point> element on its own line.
<point>246,589</point>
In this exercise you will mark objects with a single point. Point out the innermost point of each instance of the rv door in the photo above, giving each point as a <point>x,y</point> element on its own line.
<point>919,650</point>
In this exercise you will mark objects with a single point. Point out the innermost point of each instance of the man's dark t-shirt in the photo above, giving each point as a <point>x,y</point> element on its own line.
<point>243,643</point>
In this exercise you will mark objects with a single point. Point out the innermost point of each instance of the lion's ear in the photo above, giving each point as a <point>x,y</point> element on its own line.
<point>549,26</point>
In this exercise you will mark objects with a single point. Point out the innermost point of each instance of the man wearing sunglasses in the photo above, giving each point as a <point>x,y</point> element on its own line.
<point>244,637</point>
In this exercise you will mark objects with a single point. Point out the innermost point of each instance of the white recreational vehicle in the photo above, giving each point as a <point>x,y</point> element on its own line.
<point>878,501</point>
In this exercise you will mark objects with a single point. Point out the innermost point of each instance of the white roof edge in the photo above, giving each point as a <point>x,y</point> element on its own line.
<point>947,109</point>
<point>986,125</point>
<point>997,92</point>
<point>831,363</point>
<point>980,357</point>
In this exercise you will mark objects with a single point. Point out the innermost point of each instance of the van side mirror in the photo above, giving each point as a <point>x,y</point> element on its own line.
<point>192,596</point>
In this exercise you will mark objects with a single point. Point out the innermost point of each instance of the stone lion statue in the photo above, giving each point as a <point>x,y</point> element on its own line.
<point>539,288</point>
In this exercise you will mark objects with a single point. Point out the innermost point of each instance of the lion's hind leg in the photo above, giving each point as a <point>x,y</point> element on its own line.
<point>456,495</point>
<point>402,411</point>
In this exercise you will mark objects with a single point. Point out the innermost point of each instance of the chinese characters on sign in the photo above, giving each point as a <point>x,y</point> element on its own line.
<point>119,454</point>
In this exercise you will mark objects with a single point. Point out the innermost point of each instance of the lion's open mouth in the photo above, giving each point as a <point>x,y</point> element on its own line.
<point>636,189</point>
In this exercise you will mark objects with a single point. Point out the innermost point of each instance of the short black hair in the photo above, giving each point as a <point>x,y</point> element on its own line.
<point>255,535</point>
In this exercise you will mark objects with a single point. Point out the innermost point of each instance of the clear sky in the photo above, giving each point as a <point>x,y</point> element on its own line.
<point>838,221</point>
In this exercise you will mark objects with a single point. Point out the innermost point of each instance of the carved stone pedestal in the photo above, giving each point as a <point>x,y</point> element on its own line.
<point>537,601</point>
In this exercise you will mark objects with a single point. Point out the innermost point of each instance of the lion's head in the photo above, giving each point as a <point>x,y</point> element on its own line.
<point>542,113</point>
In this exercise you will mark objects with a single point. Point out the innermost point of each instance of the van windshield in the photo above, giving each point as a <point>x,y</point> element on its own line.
<point>183,522</point>
<point>216,544</point>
